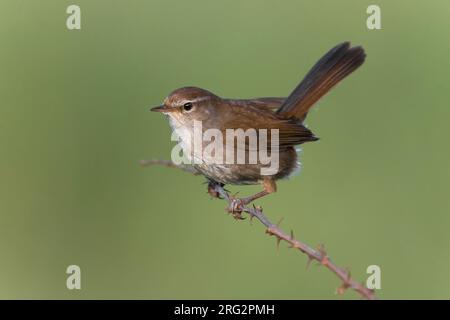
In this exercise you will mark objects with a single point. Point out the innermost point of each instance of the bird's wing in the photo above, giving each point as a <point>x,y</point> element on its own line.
<point>266,103</point>
<point>290,132</point>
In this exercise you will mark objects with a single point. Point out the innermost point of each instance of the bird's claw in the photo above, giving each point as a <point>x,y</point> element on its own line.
<point>236,207</point>
<point>213,192</point>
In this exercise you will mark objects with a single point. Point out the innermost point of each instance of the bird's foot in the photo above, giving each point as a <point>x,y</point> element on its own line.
<point>212,189</point>
<point>236,207</point>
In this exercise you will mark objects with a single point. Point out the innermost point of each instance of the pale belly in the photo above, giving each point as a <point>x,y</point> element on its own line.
<point>239,174</point>
<point>246,174</point>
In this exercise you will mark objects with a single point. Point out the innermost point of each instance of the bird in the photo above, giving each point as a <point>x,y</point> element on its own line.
<point>187,105</point>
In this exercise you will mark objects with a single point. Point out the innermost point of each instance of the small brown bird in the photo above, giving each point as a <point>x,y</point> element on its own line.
<point>186,105</point>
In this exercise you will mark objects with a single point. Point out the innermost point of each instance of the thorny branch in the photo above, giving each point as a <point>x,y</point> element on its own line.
<point>318,254</point>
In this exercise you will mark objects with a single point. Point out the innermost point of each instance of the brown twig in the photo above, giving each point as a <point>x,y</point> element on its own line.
<point>318,254</point>
<point>169,164</point>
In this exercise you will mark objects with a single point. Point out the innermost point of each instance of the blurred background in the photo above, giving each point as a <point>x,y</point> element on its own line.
<point>75,121</point>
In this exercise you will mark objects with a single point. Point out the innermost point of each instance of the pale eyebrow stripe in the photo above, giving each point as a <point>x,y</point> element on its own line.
<point>194,100</point>
<point>198,99</point>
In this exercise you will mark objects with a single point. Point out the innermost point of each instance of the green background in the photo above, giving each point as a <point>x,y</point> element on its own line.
<point>74,123</point>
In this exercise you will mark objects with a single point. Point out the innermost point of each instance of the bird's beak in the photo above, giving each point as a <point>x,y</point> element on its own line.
<point>162,108</point>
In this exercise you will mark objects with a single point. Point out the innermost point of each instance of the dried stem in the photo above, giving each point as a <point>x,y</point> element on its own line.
<point>318,254</point>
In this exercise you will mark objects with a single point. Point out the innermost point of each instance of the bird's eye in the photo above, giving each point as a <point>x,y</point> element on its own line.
<point>187,106</point>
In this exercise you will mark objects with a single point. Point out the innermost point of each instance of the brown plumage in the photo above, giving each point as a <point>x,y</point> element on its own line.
<point>185,105</point>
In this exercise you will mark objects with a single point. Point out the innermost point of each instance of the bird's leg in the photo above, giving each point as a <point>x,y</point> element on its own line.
<point>269,186</point>
<point>212,188</point>
<point>236,204</point>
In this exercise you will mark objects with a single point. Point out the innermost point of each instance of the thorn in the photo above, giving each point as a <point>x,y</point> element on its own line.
<point>321,249</point>
<point>279,222</point>
<point>292,243</point>
<point>323,254</point>
<point>269,232</point>
<point>308,263</point>
<point>349,274</point>
<point>341,290</point>
<point>278,243</point>
<point>345,283</point>
<point>251,219</point>
<point>255,209</point>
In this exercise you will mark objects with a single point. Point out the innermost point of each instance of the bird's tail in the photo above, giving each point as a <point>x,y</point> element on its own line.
<point>334,66</point>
